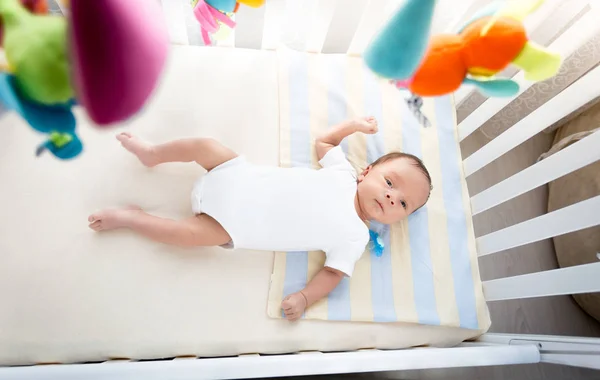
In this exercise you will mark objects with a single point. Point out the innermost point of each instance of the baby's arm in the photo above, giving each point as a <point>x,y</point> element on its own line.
<point>321,285</point>
<point>334,136</point>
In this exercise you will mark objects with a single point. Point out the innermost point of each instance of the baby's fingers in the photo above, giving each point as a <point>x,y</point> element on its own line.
<point>291,310</point>
<point>287,305</point>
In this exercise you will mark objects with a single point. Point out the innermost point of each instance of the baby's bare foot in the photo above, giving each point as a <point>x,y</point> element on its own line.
<point>366,125</point>
<point>111,219</point>
<point>139,147</point>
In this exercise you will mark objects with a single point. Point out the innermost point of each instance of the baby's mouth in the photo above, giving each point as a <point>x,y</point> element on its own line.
<point>380,205</point>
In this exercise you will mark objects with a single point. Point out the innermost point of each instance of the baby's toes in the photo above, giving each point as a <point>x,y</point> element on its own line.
<point>123,136</point>
<point>96,226</point>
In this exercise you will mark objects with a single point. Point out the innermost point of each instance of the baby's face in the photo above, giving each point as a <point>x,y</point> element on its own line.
<point>392,190</point>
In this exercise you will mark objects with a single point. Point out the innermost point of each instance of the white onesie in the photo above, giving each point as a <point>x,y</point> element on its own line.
<point>287,209</point>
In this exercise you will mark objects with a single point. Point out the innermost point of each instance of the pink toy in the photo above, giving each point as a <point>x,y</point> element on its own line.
<point>118,48</point>
<point>208,16</point>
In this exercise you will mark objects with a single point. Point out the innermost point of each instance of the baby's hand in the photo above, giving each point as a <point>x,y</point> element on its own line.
<point>366,125</point>
<point>293,306</point>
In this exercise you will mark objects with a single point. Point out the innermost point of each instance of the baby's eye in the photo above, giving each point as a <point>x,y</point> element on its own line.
<point>403,204</point>
<point>389,183</point>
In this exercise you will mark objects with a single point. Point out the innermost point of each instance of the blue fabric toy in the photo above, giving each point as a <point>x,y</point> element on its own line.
<point>376,245</point>
<point>397,50</point>
<point>56,121</point>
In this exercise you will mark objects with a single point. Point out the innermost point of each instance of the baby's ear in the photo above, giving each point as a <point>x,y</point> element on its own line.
<point>364,174</point>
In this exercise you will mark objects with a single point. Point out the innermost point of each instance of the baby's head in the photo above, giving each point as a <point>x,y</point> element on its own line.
<point>393,187</point>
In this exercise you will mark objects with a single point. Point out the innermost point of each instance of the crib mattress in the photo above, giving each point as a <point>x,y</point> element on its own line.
<point>72,295</point>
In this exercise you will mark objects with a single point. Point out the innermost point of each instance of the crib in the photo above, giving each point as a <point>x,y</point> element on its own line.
<point>333,26</point>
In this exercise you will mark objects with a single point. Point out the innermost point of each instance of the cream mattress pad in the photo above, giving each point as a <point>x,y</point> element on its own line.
<point>71,295</point>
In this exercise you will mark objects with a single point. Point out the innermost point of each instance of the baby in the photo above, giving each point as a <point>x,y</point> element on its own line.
<point>238,204</point>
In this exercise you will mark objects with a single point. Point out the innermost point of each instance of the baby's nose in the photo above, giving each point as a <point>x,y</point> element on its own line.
<point>390,198</point>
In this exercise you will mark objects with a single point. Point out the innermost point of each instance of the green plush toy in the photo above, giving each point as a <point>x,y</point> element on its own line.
<point>36,51</point>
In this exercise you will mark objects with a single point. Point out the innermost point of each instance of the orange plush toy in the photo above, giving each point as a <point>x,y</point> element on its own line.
<point>452,58</point>
<point>494,38</point>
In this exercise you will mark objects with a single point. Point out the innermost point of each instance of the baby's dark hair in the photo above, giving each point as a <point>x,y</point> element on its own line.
<point>416,161</point>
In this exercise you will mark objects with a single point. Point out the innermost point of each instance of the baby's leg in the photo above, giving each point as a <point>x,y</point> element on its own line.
<point>200,230</point>
<point>207,152</point>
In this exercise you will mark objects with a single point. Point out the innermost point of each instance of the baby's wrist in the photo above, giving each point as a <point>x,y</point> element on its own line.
<point>305,298</point>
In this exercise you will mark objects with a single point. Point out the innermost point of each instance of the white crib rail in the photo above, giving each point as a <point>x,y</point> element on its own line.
<point>258,366</point>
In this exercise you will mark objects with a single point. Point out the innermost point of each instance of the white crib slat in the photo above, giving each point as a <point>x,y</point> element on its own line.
<point>568,219</point>
<point>572,280</point>
<point>274,16</point>
<point>576,95</point>
<point>560,12</point>
<point>374,16</point>
<point>569,159</point>
<point>566,44</point>
<point>297,23</point>
<point>193,30</point>
<point>344,24</point>
<point>249,29</point>
<point>174,11</point>
<point>322,14</point>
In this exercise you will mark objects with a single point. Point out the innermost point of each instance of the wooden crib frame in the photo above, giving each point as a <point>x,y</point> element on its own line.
<point>326,26</point>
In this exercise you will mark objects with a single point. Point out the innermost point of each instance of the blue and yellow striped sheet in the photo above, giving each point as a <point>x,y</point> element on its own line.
<point>428,272</point>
